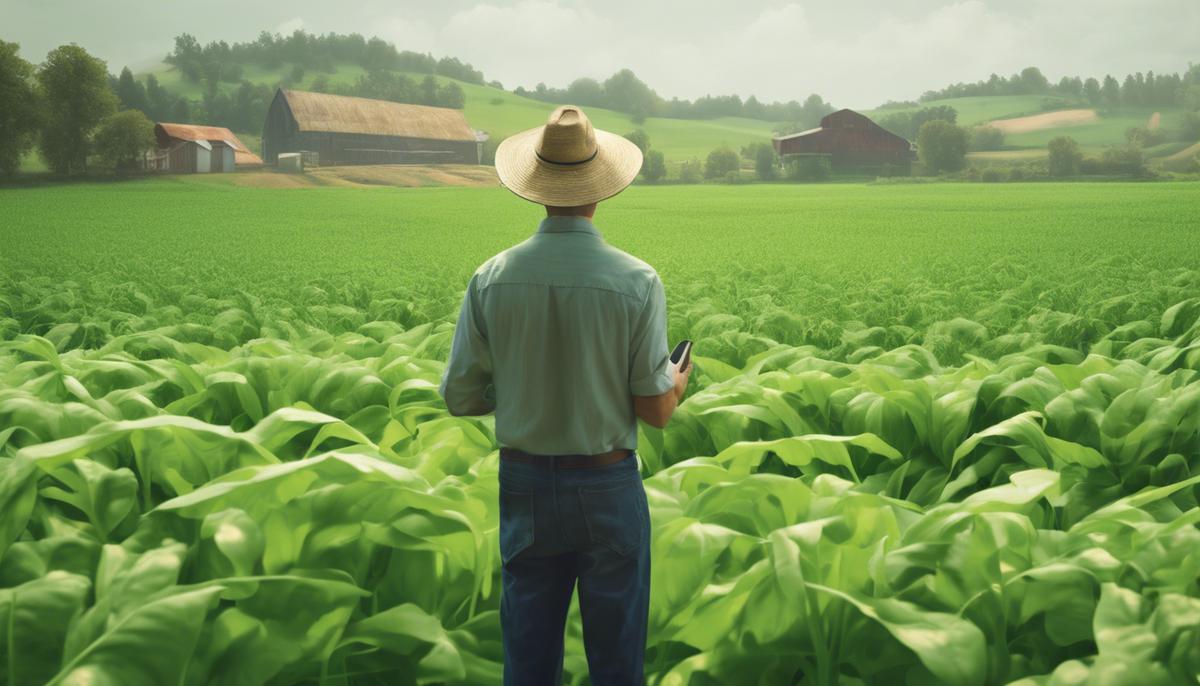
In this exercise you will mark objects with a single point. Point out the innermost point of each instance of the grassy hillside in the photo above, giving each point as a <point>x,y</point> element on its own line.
<point>976,110</point>
<point>1109,129</point>
<point>502,113</point>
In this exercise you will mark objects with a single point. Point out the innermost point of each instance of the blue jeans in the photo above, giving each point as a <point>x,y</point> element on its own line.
<point>557,526</point>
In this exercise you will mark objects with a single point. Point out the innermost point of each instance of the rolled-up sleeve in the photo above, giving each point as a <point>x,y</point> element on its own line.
<point>466,383</point>
<point>649,358</point>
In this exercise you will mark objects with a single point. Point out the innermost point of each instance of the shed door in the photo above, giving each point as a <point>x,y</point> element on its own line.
<point>203,160</point>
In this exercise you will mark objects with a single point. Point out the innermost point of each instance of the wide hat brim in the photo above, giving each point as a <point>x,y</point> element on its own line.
<point>616,164</point>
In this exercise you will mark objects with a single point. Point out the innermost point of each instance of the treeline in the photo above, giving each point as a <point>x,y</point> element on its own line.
<point>625,92</point>
<point>67,108</point>
<point>245,108</point>
<point>222,61</point>
<point>1136,90</point>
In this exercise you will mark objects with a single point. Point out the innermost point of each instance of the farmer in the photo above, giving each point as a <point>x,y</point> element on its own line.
<point>565,337</point>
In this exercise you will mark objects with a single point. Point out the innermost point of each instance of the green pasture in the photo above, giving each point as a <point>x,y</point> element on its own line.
<point>1108,130</point>
<point>979,109</point>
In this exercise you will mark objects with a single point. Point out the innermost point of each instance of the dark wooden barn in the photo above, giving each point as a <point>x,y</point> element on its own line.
<point>338,129</point>
<point>851,140</point>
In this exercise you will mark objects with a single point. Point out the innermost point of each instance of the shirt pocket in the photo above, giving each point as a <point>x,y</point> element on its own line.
<point>615,515</point>
<point>516,522</point>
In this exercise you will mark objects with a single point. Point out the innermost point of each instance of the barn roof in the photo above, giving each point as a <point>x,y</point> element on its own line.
<point>798,135</point>
<point>195,132</point>
<point>346,114</point>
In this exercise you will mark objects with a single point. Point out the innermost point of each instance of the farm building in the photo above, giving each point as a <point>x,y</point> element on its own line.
<point>187,148</point>
<point>851,140</point>
<point>338,129</point>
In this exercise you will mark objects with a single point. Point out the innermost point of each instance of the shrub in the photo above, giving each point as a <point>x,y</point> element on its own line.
<point>122,138</point>
<point>986,138</point>
<point>1063,156</point>
<point>720,162</point>
<point>734,176</point>
<point>942,146</point>
<point>807,167</point>
<point>1190,130</point>
<point>654,166</point>
<point>991,175</point>
<point>639,138</point>
<point>766,162</point>
<point>690,171</point>
<point>1126,160</point>
<point>1016,174</point>
<point>1142,136</point>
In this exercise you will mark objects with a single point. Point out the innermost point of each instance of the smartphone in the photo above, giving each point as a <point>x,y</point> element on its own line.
<point>683,352</point>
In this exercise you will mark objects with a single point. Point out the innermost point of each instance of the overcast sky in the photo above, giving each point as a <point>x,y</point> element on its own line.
<point>856,53</point>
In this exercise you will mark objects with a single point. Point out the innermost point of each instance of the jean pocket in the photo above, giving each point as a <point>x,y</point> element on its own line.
<point>613,515</point>
<point>516,523</point>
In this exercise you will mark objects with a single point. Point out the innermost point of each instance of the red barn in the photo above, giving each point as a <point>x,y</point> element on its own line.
<point>851,140</point>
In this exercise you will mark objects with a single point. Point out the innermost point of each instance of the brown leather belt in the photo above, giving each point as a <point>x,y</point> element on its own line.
<point>565,461</point>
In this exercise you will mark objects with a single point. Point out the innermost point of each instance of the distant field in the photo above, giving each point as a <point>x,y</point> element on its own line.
<point>976,110</point>
<point>1109,129</point>
<point>502,113</point>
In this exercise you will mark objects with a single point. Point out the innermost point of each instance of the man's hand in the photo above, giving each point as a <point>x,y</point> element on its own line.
<point>656,410</point>
<point>681,378</point>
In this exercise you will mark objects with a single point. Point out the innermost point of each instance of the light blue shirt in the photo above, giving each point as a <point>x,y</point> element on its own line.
<point>556,334</point>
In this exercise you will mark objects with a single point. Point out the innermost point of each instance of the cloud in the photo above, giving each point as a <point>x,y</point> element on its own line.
<point>854,52</point>
<point>533,40</point>
<point>290,26</point>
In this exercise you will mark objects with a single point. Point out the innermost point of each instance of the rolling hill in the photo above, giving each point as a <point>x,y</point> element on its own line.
<point>502,113</point>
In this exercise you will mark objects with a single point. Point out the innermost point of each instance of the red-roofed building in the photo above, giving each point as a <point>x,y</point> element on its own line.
<point>188,148</point>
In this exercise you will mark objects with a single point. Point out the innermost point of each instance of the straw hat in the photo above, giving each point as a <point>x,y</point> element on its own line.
<point>567,162</point>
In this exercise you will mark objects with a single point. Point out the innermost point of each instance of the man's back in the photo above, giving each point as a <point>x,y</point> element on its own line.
<point>568,328</point>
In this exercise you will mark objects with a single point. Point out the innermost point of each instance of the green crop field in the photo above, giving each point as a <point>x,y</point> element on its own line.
<point>938,434</point>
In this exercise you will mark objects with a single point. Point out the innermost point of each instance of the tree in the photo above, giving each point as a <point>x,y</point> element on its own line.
<point>1033,81</point>
<point>18,108</point>
<point>943,112</point>
<point>1143,137</point>
<point>1091,91</point>
<point>1125,159</point>
<point>75,85</point>
<point>1110,92</point>
<point>625,92</point>
<point>122,138</point>
<point>586,92</point>
<point>720,162</point>
<point>639,138</point>
<point>690,171</point>
<point>654,166</point>
<point>942,146</point>
<point>451,95</point>
<point>766,162</point>
<point>130,92</point>
<point>1063,156</point>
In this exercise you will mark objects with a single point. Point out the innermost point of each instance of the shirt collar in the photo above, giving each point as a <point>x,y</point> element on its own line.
<point>565,224</point>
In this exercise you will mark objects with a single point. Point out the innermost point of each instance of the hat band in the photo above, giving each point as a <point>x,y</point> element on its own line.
<point>569,164</point>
